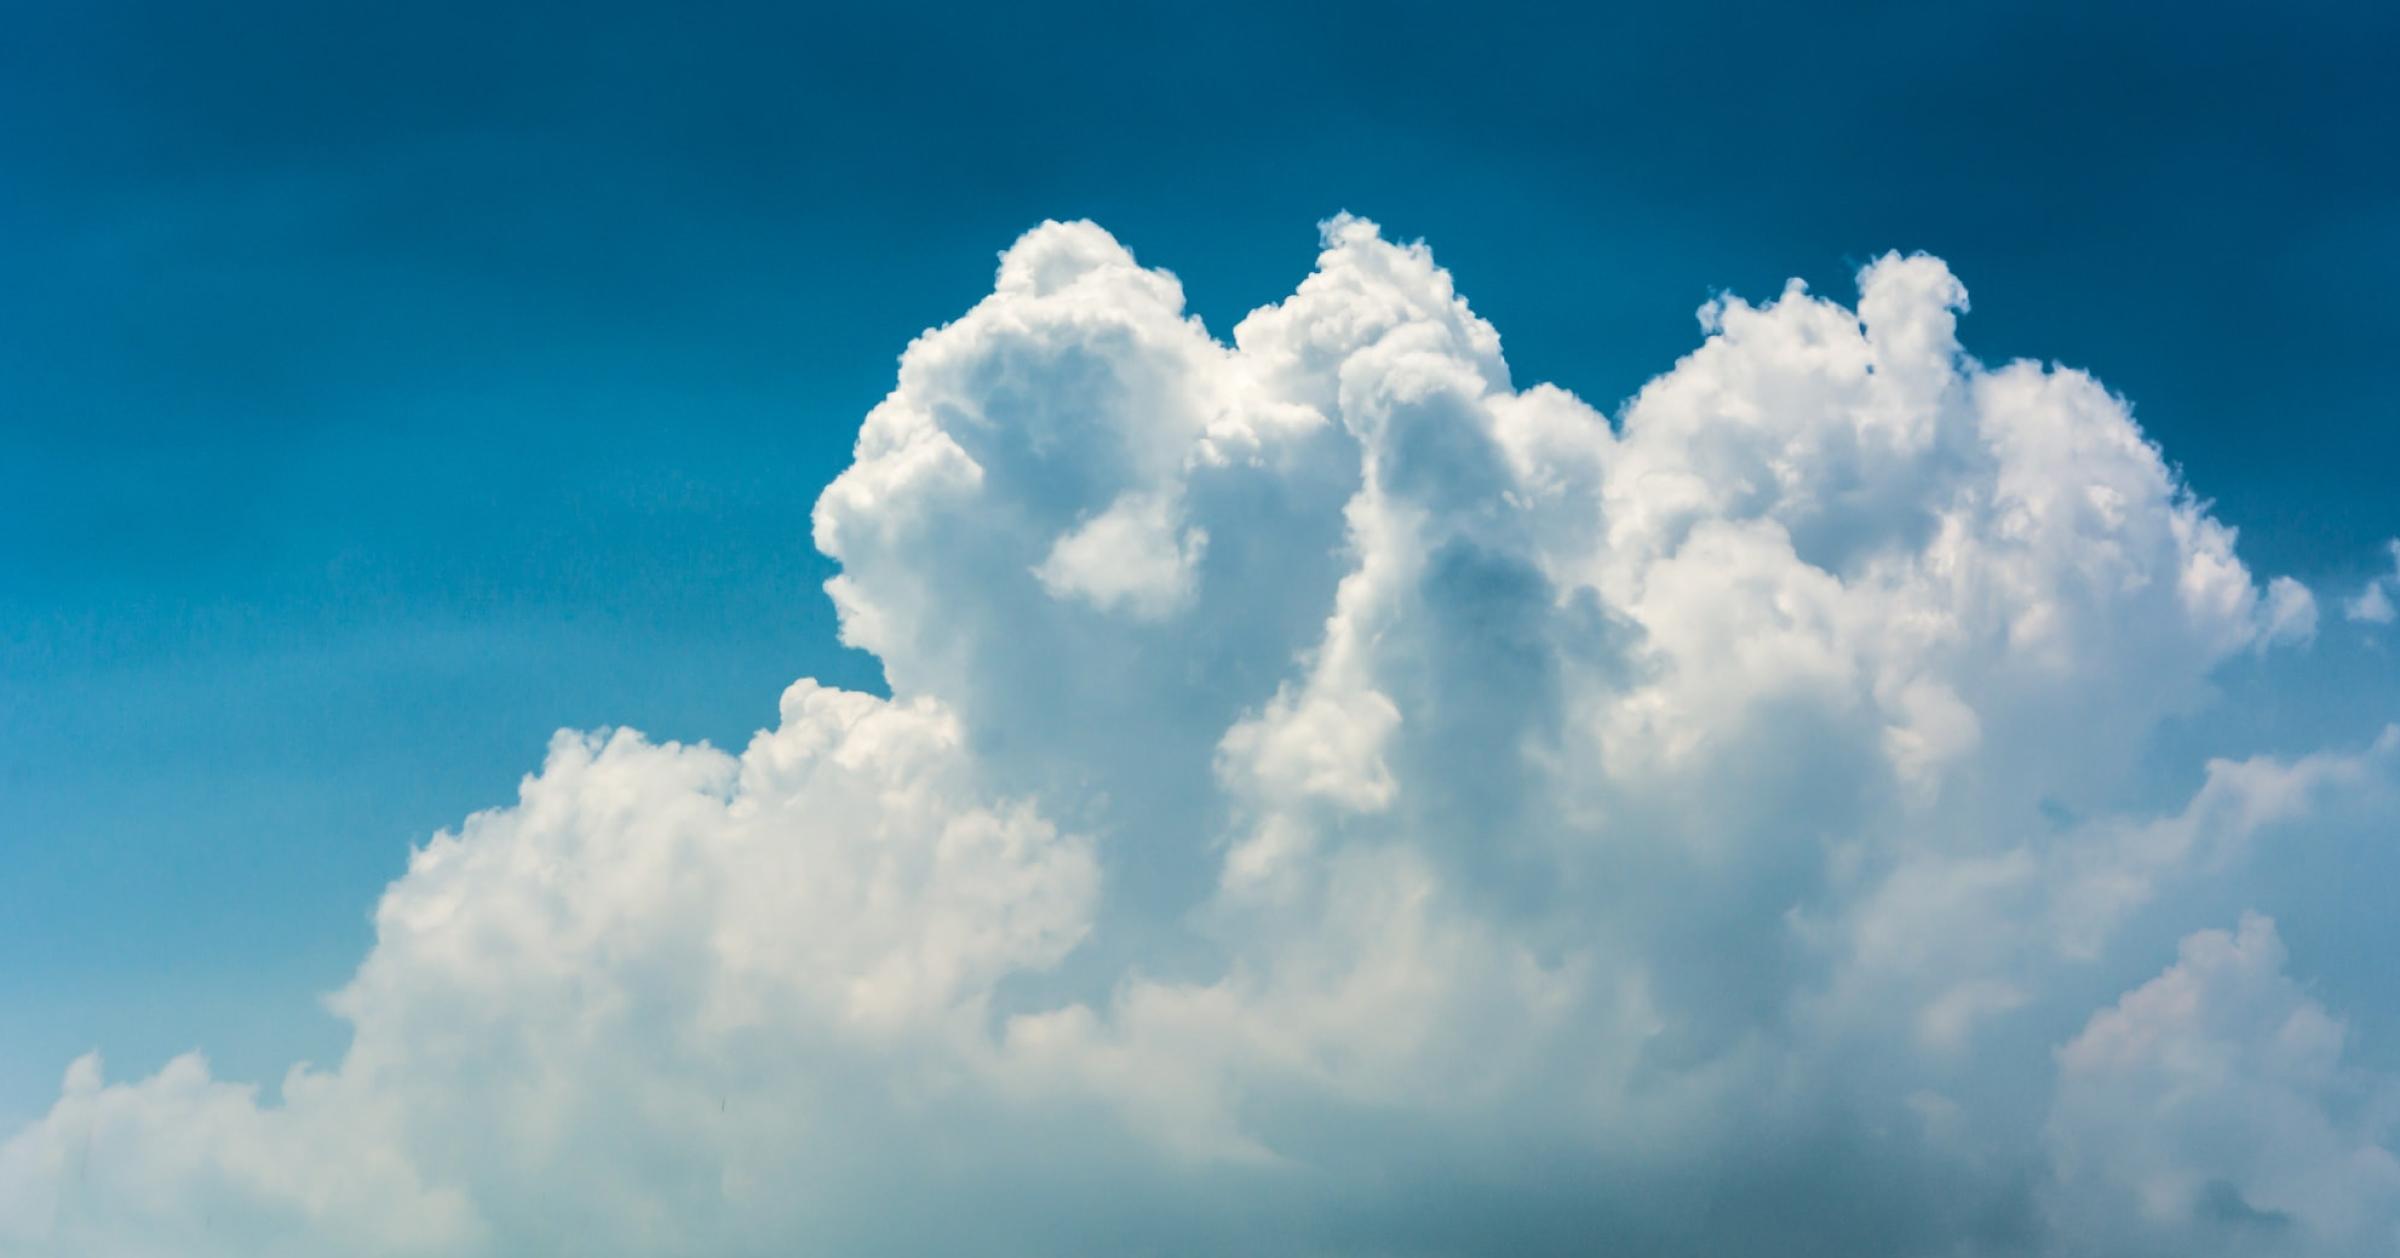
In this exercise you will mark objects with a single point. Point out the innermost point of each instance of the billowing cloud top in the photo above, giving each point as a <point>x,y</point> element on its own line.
<point>1334,801</point>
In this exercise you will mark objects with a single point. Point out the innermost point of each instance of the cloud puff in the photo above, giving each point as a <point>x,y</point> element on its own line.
<point>2213,1099</point>
<point>2372,605</point>
<point>1332,800</point>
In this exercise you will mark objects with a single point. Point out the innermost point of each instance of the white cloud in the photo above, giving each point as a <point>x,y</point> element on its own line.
<point>2291,614</point>
<point>1325,777</point>
<point>2372,605</point>
<point>1128,557</point>
<point>2213,1101</point>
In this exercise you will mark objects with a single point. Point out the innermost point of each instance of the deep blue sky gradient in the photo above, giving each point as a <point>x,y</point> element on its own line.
<point>383,386</point>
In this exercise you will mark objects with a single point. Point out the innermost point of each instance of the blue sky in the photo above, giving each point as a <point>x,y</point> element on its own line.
<point>385,387</point>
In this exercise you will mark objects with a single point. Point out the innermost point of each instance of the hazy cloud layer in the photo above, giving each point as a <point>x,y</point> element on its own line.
<point>1335,801</point>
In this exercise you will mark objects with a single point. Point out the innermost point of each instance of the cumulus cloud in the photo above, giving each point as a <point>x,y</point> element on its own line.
<point>2214,1100</point>
<point>2372,605</point>
<point>1333,800</point>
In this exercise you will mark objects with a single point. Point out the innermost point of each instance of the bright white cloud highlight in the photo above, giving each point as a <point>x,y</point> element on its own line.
<point>1333,801</point>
